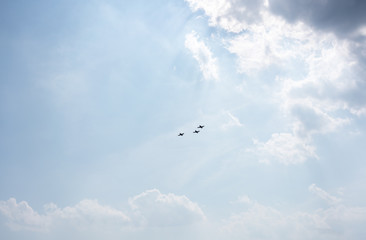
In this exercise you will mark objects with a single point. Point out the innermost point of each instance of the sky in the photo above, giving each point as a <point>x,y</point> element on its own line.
<point>93,95</point>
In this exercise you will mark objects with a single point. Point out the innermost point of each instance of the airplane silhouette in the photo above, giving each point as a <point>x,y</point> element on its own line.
<point>196,131</point>
<point>180,134</point>
<point>201,126</point>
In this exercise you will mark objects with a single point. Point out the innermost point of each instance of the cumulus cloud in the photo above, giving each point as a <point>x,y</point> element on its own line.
<point>318,49</point>
<point>157,209</point>
<point>269,42</point>
<point>259,221</point>
<point>343,61</point>
<point>149,209</point>
<point>333,76</point>
<point>203,55</point>
<point>21,216</point>
<point>86,214</point>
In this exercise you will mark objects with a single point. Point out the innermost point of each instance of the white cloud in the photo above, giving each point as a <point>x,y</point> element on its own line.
<point>312,120</point>
<point>324,195</point>
<point>286,148</point>
<point>21,216</point>
<point>271,41</point>
<point>203,55</point>
<point>148,209</point>
<point>153,214</point>
<point>243,199</point>
<point>259,221</point>
<point>86,214</point>
<point>330,71</point>
<point>319,84</point>
<point>233,121</point>
<point>157,209</point>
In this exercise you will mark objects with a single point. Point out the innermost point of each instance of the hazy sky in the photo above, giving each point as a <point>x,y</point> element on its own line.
<point>94,93</point>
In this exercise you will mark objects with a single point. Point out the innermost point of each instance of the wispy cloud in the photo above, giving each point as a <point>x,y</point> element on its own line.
<point>203,55</point>
<point>232,122</point>
<point>324,195</point>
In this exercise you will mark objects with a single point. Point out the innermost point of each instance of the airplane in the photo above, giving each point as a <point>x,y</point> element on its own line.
<point>196,131</point>
<point>180,134</point>
<point>201,126</point>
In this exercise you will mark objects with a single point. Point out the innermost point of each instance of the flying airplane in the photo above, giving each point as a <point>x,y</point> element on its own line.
<point>201,126</point>
<point>196,131</point>
<point>180,134</point>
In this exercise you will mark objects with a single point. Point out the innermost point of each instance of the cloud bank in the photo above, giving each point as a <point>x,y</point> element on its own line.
<point>148,209</point>
<point>155,214</point>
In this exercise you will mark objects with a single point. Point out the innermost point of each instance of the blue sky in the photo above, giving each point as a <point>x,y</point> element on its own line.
<point>93,95</point>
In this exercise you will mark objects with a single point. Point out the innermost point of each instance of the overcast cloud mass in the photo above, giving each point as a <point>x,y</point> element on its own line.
<point>93,96</point>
